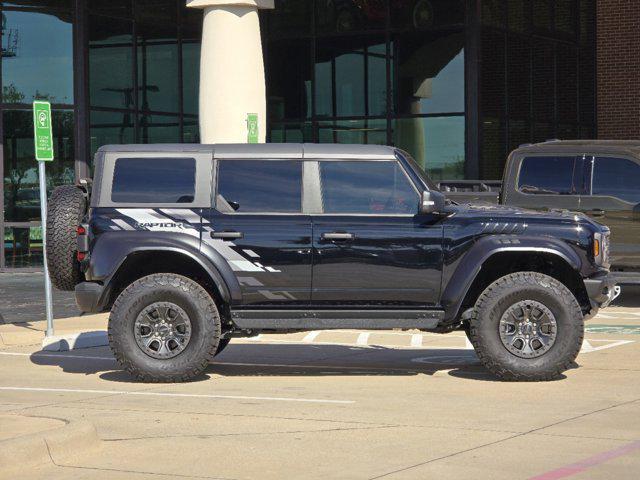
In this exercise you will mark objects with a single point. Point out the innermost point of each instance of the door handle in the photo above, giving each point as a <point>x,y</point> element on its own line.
<point>227,235</point>
<point>338,236</point>
<point>597,212</point>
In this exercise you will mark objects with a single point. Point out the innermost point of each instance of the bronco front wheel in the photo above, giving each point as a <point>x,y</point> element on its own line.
<point>164,328</point>
<point>527,326</point>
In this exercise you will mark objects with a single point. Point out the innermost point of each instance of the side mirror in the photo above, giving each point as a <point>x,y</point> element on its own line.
<point>432,202</point>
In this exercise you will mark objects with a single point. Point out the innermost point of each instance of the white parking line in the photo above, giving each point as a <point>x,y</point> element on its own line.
<point>311,336</point>
<point>180,395</point>
<point>363,338</point>
<point>416,340</point>
<point>616,316</point>
<point>615,343</point>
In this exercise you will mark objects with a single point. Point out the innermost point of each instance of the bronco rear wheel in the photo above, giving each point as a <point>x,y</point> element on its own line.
<point>65,211</point>
<point>164,328</point>
<point>527,326</point>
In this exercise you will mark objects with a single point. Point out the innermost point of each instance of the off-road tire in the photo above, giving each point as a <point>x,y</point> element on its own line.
<point>66,209</point>
<point>503,293</point>
<point>222,344</point>
<point>190,297</point>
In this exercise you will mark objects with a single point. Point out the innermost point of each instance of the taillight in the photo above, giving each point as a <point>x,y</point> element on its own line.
<point>83,241</point>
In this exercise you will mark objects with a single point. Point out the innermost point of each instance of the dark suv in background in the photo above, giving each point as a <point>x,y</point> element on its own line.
<point>600,178</point>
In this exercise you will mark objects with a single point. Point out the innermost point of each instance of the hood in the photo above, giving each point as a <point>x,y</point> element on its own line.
<point>503,213</point>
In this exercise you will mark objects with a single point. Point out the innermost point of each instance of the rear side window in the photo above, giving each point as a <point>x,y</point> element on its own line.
<point>547,175</point>
<point>154,180</point>
<point>259,186</point>
<point>375,188</point>
<point>617,177</point>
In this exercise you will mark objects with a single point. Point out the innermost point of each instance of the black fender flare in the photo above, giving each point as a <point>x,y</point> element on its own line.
<point>110,251</point>
<point>468,268</point>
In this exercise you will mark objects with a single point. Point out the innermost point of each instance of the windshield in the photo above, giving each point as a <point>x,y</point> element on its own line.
<point>417,169</point>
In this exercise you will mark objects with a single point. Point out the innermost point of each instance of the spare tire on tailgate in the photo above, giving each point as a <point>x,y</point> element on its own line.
<point>67,206</point>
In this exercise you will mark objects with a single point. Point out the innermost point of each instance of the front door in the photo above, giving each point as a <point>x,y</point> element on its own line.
<point>371,247</point>
<point>257,224</point>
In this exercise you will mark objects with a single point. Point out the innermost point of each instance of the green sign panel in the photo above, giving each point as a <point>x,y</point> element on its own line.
<point>252,128</point>
<point>42,133</point>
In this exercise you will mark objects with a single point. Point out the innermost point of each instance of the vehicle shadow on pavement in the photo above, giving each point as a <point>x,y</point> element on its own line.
<point>106,368</point>
<point>293,360</point>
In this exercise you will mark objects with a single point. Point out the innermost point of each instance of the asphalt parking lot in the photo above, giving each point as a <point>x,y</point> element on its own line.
<point>22,298</point>
<point>340,404</point>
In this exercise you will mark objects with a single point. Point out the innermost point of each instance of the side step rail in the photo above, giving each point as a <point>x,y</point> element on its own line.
<point>336,319</point>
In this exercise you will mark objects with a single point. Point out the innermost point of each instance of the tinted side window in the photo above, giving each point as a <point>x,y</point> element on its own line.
<point>547,175</point>
<point>617,177</point>
<point>367,188</point>
<point>154,180</point>
<point>260,186</point>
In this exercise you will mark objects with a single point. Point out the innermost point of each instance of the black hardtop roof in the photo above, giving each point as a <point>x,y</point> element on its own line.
<point>262,150</point>
<point>631,147</point>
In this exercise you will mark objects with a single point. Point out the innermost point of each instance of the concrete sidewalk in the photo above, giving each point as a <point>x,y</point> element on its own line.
<point>32,333</point>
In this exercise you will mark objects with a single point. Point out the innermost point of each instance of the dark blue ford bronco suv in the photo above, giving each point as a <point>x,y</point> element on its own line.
<point>190,246</point>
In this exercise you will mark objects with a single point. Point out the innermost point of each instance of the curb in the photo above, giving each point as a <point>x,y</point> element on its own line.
<point>63,343</point>
<point>51,447</point>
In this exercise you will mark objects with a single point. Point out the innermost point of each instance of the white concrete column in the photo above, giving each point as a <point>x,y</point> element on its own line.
<point>231,70</point>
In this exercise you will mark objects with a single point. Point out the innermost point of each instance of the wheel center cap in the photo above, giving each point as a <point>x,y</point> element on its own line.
<point>162,329</point>
<point>526,328</point>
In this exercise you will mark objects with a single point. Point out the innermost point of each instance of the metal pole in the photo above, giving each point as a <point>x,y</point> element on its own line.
<point>47,280</point>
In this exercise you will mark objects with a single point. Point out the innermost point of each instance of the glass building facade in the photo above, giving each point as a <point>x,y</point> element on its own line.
<point>457,83</point>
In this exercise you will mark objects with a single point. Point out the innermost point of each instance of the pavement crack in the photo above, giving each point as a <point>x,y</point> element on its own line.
<point>511,437</point>
<point>278,417</point>
<point>143,472</point>
<point>585,437</point>
<point>237,415</point>
<point>221,435</point>
<point>48,417</point>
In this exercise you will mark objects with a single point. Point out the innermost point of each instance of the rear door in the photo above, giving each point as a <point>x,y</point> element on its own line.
<point>257,225</point>
<point>614,200</point>
<point>371,247</point>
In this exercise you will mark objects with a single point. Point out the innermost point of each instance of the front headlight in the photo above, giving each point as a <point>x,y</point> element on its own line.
<point>601,248</point>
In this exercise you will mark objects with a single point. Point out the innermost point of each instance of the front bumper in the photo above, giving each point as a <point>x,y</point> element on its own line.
<point>89,297</point>
<point>602,290</point>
